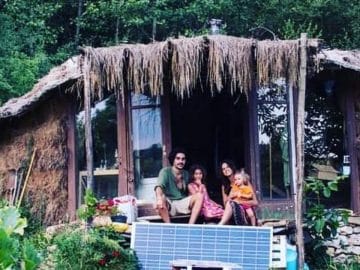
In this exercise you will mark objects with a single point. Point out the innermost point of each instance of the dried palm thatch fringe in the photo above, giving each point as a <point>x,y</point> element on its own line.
<point>277,59</point>
<point>146,67</point>
<point>186,64</point>
<point>230,63</point>
<point>230,59</point>
<point>141,65</point>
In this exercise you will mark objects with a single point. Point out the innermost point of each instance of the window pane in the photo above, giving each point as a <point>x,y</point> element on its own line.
<point>104,130</point>
<point>147,142</point>
<point>105,186</point>
<point>325,144</point>
<point>274,149</point>
<point>273,94</point>
<point>141,100</point>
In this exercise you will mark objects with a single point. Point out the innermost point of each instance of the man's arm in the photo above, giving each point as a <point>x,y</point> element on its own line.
<point>160,197</point>
<point>159,190</point>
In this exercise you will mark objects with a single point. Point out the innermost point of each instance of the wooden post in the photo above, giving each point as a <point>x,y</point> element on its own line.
<point>71,163</point>
<point>350,117</point>
<point>300,152</point>
<point>88,132</point>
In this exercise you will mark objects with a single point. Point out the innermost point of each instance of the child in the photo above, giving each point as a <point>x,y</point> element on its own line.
<point>242,191</point>
<point>210,209</point>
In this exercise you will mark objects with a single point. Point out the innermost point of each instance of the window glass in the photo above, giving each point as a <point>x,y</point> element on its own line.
<point>273,137</point>
<point>104,129</point>
<point>325,147</point>
<point>146,137</point>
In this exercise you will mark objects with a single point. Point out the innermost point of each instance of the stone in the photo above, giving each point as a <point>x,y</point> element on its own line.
<point>343,240</point>
<point>346,230</point>
<point>357,229</point>
<point>341,258</point>
<point>330,251</point>
<point>333,243</point>
<point>354,250</point>
<point>354,240</point>
<point>354,220</point>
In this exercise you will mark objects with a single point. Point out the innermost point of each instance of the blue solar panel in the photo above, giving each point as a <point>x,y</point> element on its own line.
<point>157,244</point>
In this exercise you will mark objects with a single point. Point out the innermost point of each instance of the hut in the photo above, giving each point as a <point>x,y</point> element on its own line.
<point>217,96</point>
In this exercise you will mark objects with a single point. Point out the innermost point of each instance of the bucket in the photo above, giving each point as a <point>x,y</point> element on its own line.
<point>291,256</point>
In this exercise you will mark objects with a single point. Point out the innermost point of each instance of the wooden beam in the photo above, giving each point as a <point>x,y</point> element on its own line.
<point>351,142</point>
<point>125,178</point>
<point>300,152</point>
<point>165,127</point>
<point>88,128</point>
<point>71,162</point>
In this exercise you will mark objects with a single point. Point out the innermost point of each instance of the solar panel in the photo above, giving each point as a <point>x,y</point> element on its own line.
<point>158,244</point>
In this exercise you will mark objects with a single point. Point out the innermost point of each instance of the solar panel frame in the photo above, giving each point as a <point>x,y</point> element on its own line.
<point>157,244</point>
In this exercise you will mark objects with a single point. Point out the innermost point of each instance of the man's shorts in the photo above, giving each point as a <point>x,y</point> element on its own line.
<point>179,207</point>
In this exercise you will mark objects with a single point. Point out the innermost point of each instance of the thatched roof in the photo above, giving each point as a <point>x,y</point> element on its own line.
<point>345,59</point>
<point>229,62</point>
<point>180,65</point>
<point>67,72</point>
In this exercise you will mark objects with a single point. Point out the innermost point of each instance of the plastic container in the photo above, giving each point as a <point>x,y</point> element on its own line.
<point>291,256</point>
<point>119,218</point>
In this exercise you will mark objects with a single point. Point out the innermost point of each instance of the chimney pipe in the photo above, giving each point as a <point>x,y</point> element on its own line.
<point>215,25</point>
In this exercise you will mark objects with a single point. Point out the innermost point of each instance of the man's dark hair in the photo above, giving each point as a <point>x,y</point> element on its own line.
<point>174,152</point>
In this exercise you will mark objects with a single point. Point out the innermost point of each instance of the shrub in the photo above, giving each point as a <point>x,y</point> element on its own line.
<point>93,249</point>
<point>15,253</point>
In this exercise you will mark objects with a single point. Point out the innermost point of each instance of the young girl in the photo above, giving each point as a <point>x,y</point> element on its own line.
<point>210,209</point>
<point>241,192</point>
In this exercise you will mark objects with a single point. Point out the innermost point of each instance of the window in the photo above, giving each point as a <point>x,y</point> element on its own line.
<point>273,142</point>
<point>146,143</point>
<point>325,146</point>
<point>104,127</point>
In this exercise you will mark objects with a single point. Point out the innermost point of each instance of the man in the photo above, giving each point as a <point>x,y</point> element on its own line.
<point>171,190</point>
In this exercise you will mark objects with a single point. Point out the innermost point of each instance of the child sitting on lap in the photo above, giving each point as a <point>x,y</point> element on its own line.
<point>241,191</point>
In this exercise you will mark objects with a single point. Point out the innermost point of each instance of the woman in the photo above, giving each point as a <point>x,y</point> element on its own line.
<point>233,209</point>
<point>210,210</point>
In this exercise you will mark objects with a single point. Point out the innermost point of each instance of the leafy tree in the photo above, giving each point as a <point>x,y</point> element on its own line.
<point>37,34</point>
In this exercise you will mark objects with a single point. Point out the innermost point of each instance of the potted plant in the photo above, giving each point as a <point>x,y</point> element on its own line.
<point>107,211</point>
<point>87,210</point>
<point>116,214</point>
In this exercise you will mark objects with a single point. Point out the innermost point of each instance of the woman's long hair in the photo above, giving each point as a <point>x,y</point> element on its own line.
<point>224,179</point>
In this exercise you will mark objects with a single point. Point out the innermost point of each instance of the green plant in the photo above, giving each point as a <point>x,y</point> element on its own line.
<point>92,249</point>
<point>322,222</point>
<point>14,253</point>
<point>35,220</point>
<point>88,209</point>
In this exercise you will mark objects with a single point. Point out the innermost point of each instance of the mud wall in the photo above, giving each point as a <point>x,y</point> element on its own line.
<point>43,129</point>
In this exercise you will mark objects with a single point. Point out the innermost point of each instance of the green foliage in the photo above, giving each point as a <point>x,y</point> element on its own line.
<point>11,222</point>
<point>37,34</point>
<point>14,253</point>
<point>35,221</point>
<point>321,222</point>
<point>31,258</point>
<point>88,209</point>
<point>94,249</point>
